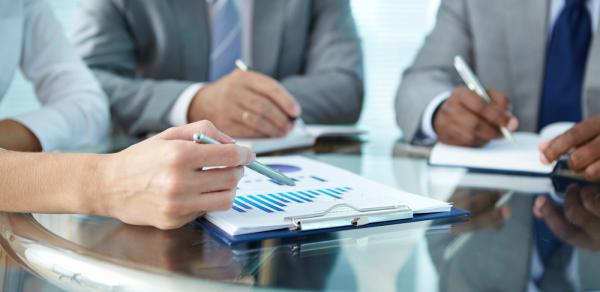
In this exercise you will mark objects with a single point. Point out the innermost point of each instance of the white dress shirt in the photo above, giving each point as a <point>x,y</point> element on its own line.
<point>179,111</point>
<point>556,7</point>
<point>75,111</point>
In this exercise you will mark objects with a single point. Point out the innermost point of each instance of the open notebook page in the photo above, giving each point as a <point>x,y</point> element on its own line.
<point>501,155</point>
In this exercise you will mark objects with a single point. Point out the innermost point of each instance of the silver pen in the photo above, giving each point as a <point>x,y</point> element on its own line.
<point>256,166</point>
<point>473,84</point>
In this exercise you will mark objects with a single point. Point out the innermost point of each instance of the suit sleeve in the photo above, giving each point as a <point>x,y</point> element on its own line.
<point>74,111</point>
<point>103,37</point>
<point>331,90</point>
<point>432,72</point>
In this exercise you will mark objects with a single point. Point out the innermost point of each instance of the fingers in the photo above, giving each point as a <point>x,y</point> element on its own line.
<point>556,222</point>
<point>466,119</point>
<point>187,132</point>
<point>215,180</point>
<point>592,172</point>
<point>489,112</point>
<point>480,128</point>
<point>574,211</point>
<point>585,155</point>
<point>264,107</point>
<point>260,123</point>
<point>195,156</point>
<point>209,202</point>
<point>499,99</point>
<point>270,88</point>
<point>590,198</point>
<point>578,135</point>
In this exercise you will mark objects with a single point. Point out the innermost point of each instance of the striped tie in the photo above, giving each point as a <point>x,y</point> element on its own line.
<point>226,45</point>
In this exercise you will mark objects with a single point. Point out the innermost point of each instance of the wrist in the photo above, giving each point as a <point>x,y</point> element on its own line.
<point>197,106</point>
<point>99,185</point>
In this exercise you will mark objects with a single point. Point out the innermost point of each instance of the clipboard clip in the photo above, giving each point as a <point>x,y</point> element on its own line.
<point>338,216</point>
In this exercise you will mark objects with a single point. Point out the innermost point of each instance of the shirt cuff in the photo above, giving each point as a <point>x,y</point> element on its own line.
<point>179,111</point>
<point>427,118</point>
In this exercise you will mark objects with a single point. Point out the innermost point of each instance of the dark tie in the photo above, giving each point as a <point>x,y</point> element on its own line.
<point>565,65</point>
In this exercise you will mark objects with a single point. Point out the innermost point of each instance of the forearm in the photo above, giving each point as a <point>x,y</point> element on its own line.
<point>17,137</point>
<point>50,183</point>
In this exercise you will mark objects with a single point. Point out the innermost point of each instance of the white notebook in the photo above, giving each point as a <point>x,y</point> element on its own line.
<point>262,204</point>
<point>522,156</point>
<point>300,136</point>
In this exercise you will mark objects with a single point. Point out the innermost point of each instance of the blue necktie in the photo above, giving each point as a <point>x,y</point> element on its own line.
<point>565,65</point>
<point>226,38</point>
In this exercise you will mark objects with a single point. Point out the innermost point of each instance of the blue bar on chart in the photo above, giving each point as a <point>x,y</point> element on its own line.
<point>272,201</point>
<point>238,209</point>
<point>255,205</point>
<point>278,201</point>
<point>236,201</point>
<point>329,194</point>
<point>307,195</point>
<point>334,191</point>
<point>264,203</point>
<point>278,198</point>
<point>290,198</point>
<point>299,196</point>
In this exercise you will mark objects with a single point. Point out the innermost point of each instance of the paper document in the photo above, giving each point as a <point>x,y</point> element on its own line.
<point>262,204</point>
<point>300,136</point>
<point>522,156</point>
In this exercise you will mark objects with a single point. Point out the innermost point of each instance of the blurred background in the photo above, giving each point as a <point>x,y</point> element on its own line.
<point>392,32</point>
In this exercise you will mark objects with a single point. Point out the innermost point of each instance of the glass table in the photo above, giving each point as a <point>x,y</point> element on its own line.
<point>499,248</point>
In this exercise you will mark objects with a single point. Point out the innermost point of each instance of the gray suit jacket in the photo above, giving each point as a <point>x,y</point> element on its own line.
<point>145,53</point>
<point>505,42</point>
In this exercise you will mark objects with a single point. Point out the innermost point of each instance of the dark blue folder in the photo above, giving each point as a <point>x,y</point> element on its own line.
<point>286,233</point>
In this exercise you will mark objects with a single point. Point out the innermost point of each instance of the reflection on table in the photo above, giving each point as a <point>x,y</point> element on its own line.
<point>500,247</point>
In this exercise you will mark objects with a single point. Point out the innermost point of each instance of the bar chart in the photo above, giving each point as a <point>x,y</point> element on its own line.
<point>278,201</point>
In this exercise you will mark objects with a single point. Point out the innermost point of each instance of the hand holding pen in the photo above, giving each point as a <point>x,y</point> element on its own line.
<point>246,104</point>
<point>472,116</point>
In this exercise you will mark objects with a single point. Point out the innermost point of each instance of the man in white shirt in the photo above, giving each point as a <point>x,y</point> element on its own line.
<point>166,63</point>
<point>74,109</point>
<point>541,58</point>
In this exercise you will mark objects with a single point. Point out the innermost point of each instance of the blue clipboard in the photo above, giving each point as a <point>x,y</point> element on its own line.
<point>286,233</point>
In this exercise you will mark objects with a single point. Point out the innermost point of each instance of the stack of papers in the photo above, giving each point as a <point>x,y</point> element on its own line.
<point>263,205</point>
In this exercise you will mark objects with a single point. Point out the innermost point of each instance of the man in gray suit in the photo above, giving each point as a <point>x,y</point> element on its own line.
<point>541,54</point>
<point>166,63</point>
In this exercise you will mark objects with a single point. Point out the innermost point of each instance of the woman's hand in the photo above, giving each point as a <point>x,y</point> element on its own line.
<point>163,181</point>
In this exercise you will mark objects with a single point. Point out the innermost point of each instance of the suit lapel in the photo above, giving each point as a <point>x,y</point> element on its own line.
<point>527,35</point>
<point>267,33</point>
<point>591,92</point>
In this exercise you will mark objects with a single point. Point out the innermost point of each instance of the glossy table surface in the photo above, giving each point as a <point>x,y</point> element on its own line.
<point>496,249</point>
